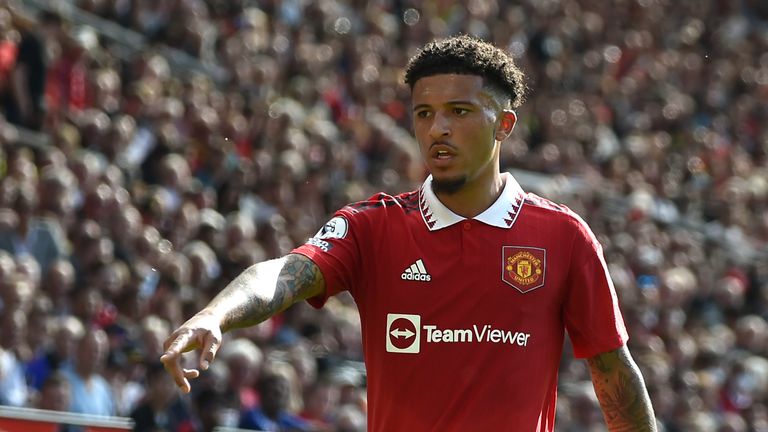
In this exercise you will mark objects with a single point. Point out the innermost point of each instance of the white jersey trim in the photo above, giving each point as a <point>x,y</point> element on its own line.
<point>501,213</point>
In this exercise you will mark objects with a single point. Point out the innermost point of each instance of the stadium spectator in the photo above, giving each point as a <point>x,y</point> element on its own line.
<point>91,394</point>
<point>24,99</point>
<point>65,331</point>
<point>320,404</point>
<point>13,387</point>
<point>42,238</point>
<point>55,394</point>
<point>215,409</point>
<point>8,48</point>
<point>244,362</point>
<point>58,284</point>
<point>276,386</point>
<point>163,408</point>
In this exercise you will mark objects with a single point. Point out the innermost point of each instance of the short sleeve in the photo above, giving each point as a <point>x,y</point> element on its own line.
<point>592,315</point>
<point>335,249</point>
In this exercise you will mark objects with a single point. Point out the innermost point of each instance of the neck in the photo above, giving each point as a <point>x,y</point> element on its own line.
<point>475,196</point>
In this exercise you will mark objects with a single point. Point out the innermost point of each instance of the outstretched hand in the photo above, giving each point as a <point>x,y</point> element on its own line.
<point>201,332</point>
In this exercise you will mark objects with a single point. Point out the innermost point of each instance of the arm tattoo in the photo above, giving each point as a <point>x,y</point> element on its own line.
<point>296,281</point>
<point>621,391</point>
<point>268,288</point>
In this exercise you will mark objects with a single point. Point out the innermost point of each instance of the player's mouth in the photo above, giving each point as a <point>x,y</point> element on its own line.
<point>442,152</point>
<point>442,156</point>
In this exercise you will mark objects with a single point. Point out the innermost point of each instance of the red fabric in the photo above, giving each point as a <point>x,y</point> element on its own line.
<point>13,425</point>
<point>78,87</point>
<point>66,87</point>
<point>8,52</point>
<point>103,429</point>
<point>483,353</point>
<point>187,426</point>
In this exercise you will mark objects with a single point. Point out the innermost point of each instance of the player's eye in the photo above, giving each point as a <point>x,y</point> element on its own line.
<point>423,114</point>
<point>460,111</point>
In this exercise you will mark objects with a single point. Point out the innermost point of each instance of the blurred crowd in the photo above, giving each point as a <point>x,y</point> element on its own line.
<point>155,190</point>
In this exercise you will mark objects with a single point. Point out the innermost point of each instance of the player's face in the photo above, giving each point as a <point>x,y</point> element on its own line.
<point>458,125</point>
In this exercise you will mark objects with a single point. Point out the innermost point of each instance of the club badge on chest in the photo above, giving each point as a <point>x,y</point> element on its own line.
<point>523,267</point>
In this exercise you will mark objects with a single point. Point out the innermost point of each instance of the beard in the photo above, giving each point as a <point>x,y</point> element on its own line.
<point>448,186</point>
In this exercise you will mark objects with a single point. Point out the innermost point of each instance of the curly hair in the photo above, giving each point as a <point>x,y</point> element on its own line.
<point>469,56</point>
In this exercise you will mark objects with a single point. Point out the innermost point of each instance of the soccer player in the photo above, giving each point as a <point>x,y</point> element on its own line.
<point>465,287</point>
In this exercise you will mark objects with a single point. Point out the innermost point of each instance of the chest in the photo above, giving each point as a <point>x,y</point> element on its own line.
<point>468,268</point>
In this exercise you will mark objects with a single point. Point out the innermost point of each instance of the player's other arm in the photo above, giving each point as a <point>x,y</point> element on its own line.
<point>260,291</point>
<point>621,391</point>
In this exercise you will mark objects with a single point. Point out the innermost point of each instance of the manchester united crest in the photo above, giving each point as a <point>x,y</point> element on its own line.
<point>523,267</point>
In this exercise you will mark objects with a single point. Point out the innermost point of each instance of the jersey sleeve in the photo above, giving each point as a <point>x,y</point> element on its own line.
<point>335,249</point>
<point>592,315</point>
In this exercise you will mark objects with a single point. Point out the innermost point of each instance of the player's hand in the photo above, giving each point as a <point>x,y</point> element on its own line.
<point>201,332</point>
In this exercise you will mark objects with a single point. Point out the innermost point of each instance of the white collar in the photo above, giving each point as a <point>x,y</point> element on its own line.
<point>501,213</point>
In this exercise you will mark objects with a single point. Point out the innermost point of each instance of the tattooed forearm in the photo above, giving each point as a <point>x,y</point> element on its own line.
<point>265,289</point>
<point>621,391</point>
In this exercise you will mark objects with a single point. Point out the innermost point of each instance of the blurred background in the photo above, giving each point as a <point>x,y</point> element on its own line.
<point>153,149</point>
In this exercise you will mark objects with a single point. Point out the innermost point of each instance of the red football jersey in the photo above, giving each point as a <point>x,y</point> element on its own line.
<point>463,320</point>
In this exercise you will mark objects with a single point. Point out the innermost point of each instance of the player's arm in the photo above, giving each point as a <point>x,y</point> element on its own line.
<point>260,291</point>
<point>621,391</point>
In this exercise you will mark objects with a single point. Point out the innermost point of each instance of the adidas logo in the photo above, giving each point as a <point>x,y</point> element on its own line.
<point>416,272</point>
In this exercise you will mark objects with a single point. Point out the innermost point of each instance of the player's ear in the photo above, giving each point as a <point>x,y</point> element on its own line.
<point>507,123</point>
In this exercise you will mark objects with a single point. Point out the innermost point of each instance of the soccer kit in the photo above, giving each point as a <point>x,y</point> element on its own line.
<point>463,320</point>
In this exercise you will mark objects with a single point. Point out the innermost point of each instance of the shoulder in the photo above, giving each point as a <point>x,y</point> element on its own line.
<point>553,211</point>
<point>407,202</point>
<point>559,217</point>
<point>559,220</point>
